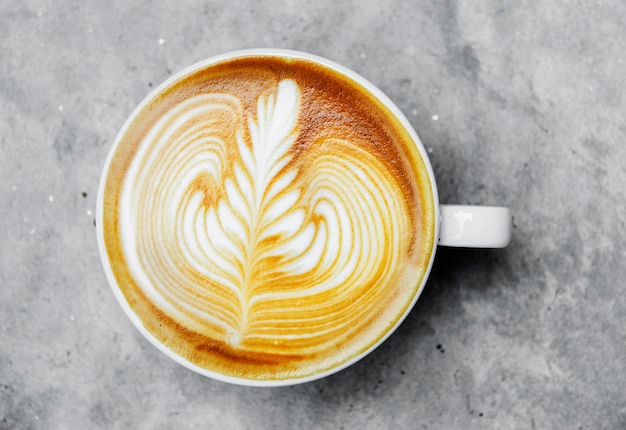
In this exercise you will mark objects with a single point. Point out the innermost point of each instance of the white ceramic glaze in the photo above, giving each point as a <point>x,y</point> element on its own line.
<point>475,226</point>
<point>466,226</point>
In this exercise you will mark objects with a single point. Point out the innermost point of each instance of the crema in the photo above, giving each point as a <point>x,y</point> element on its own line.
<point>267,218</point>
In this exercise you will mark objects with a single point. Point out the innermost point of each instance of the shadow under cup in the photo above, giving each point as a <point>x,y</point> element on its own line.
<point>267,217</point>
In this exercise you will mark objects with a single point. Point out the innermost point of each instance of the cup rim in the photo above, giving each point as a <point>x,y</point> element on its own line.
<point>284,53</point>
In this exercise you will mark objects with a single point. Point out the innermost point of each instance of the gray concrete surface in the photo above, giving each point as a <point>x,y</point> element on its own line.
<point>520,104</point>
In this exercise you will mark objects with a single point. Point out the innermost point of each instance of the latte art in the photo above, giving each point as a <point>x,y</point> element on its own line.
<point>257,245</point>
<point>233,246</point>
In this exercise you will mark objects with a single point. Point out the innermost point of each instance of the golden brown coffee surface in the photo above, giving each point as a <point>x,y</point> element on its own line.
<point>267,218</point>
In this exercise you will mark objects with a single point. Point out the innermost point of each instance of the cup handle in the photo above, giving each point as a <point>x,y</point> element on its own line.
<point>475,226</point>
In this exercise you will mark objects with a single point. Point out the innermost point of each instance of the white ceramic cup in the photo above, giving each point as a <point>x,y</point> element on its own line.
<point>456,225</point>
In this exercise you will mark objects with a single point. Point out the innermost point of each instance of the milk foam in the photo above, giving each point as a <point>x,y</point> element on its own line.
<point>233,234</point>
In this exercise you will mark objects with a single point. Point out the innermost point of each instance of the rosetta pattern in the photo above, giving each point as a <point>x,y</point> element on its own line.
<point>237,241</point>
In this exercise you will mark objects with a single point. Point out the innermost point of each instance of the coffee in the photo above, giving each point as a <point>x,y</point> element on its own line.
<point>267,218</point>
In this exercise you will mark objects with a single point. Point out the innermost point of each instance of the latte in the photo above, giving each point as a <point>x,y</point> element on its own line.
<point>266,218</point>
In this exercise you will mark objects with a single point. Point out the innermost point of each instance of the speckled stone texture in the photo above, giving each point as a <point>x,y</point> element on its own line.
<point>519,104</point>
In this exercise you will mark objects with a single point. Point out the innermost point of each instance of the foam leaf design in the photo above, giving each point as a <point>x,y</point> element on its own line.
<point>248,214</point>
